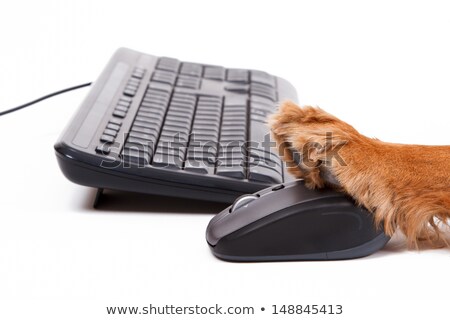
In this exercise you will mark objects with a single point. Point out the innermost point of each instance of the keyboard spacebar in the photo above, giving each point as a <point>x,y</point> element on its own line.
<point>265,171</point>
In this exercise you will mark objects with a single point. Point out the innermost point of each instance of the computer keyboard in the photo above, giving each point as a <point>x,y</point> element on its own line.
<point>166,127</point>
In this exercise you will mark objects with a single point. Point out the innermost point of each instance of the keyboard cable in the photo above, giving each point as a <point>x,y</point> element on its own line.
<point>50,95</point>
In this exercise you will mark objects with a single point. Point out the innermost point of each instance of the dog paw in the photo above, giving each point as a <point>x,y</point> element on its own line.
<point>399,184</point>
<point>309,140</point>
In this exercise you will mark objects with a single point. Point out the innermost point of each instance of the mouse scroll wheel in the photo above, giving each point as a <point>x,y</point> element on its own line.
<point>242,201</point>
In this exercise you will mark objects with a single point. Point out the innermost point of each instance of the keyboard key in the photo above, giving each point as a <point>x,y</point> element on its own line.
<point>103,149</point>
<point>160,86</point>
<point>140,135</point>
<point>175,126</point>
<point>139,157</point>
<point>181,114</point>
<point>179,137</point>
<point>134,82</point>
<point>240,101</point>
<point>138,73</point>
<point>155,111</point>
<point>153,104</point>
<point>233,129</point>
<point>129,91</point>
<point>200,150</point>
<point>115,121</point>
<point>126,99</point>
<point>237,75</point>
<point>185,98</point>
<point>263,91</point>
<point>208,113</point>
<point>205,125</point>
<point>265,174</point>
<point>113,126</point>
<point>157,96</point>
<point>125,102</point>
<point>199,167</point>
<point>258,156</point>
<point>236,138</point>
<point>149,117</point>
<point>259,112</point>
<point>237,88</point>
<point>110,132</point>
<point>210,98</point>
<point>229,156</point>
<point>188,82</point>
<point>232,140</point>
<point>191,69</point>
<point>238,115</point>
<point>237,171</point>
<point>170,160</point>
<point>207,117</point>
<point>175,132</point>
<point>205,133</point>
<point>153,94</point>
<point>177,102</point>
<point>182,105</point>
<point>207,152</point>
<point>125,105</point>
<point>145,124</point>
<point>263,78</point>
<point>175,118</point>
<point>214,73</point>
<point>149,131</point>
<point>176,122</point>
<point>154,101</point>
<point>231,162</point>
<point>204,138</point>
<point>121,108</point>
<point>164,77</point>
<point>262,102</point>
<point>120,114</point>
<point>259,118</point>
<point>156,115</point>
<point>202,163</point>
<point>258,131</point>
<point>107,138</point>
<point>141,143</point>
<point>174,107</point>
<point>209,103</point>
<point>136,146</point>
<point>168,64</point>
<point>209,109</point>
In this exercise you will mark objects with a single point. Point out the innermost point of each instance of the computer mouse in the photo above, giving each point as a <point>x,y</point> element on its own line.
<point>292,222</point>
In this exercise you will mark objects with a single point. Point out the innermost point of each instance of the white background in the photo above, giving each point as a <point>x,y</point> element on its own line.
<point>383,66</point>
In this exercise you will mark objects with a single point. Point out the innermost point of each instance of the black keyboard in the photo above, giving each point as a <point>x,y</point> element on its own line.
<point>166,127</point>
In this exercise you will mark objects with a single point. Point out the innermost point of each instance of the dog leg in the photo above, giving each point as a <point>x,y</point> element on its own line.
<point>405,186</point>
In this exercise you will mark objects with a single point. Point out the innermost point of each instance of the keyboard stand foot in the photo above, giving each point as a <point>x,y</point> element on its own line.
<point>97,197</point>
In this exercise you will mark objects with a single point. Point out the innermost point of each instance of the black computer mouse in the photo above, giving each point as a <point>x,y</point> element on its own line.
<point>292,222</point>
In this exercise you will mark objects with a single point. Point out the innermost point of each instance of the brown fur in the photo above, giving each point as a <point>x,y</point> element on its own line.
<point>405,186</point>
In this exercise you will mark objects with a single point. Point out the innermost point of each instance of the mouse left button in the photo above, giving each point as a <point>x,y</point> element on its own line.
<point>243,201</point>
